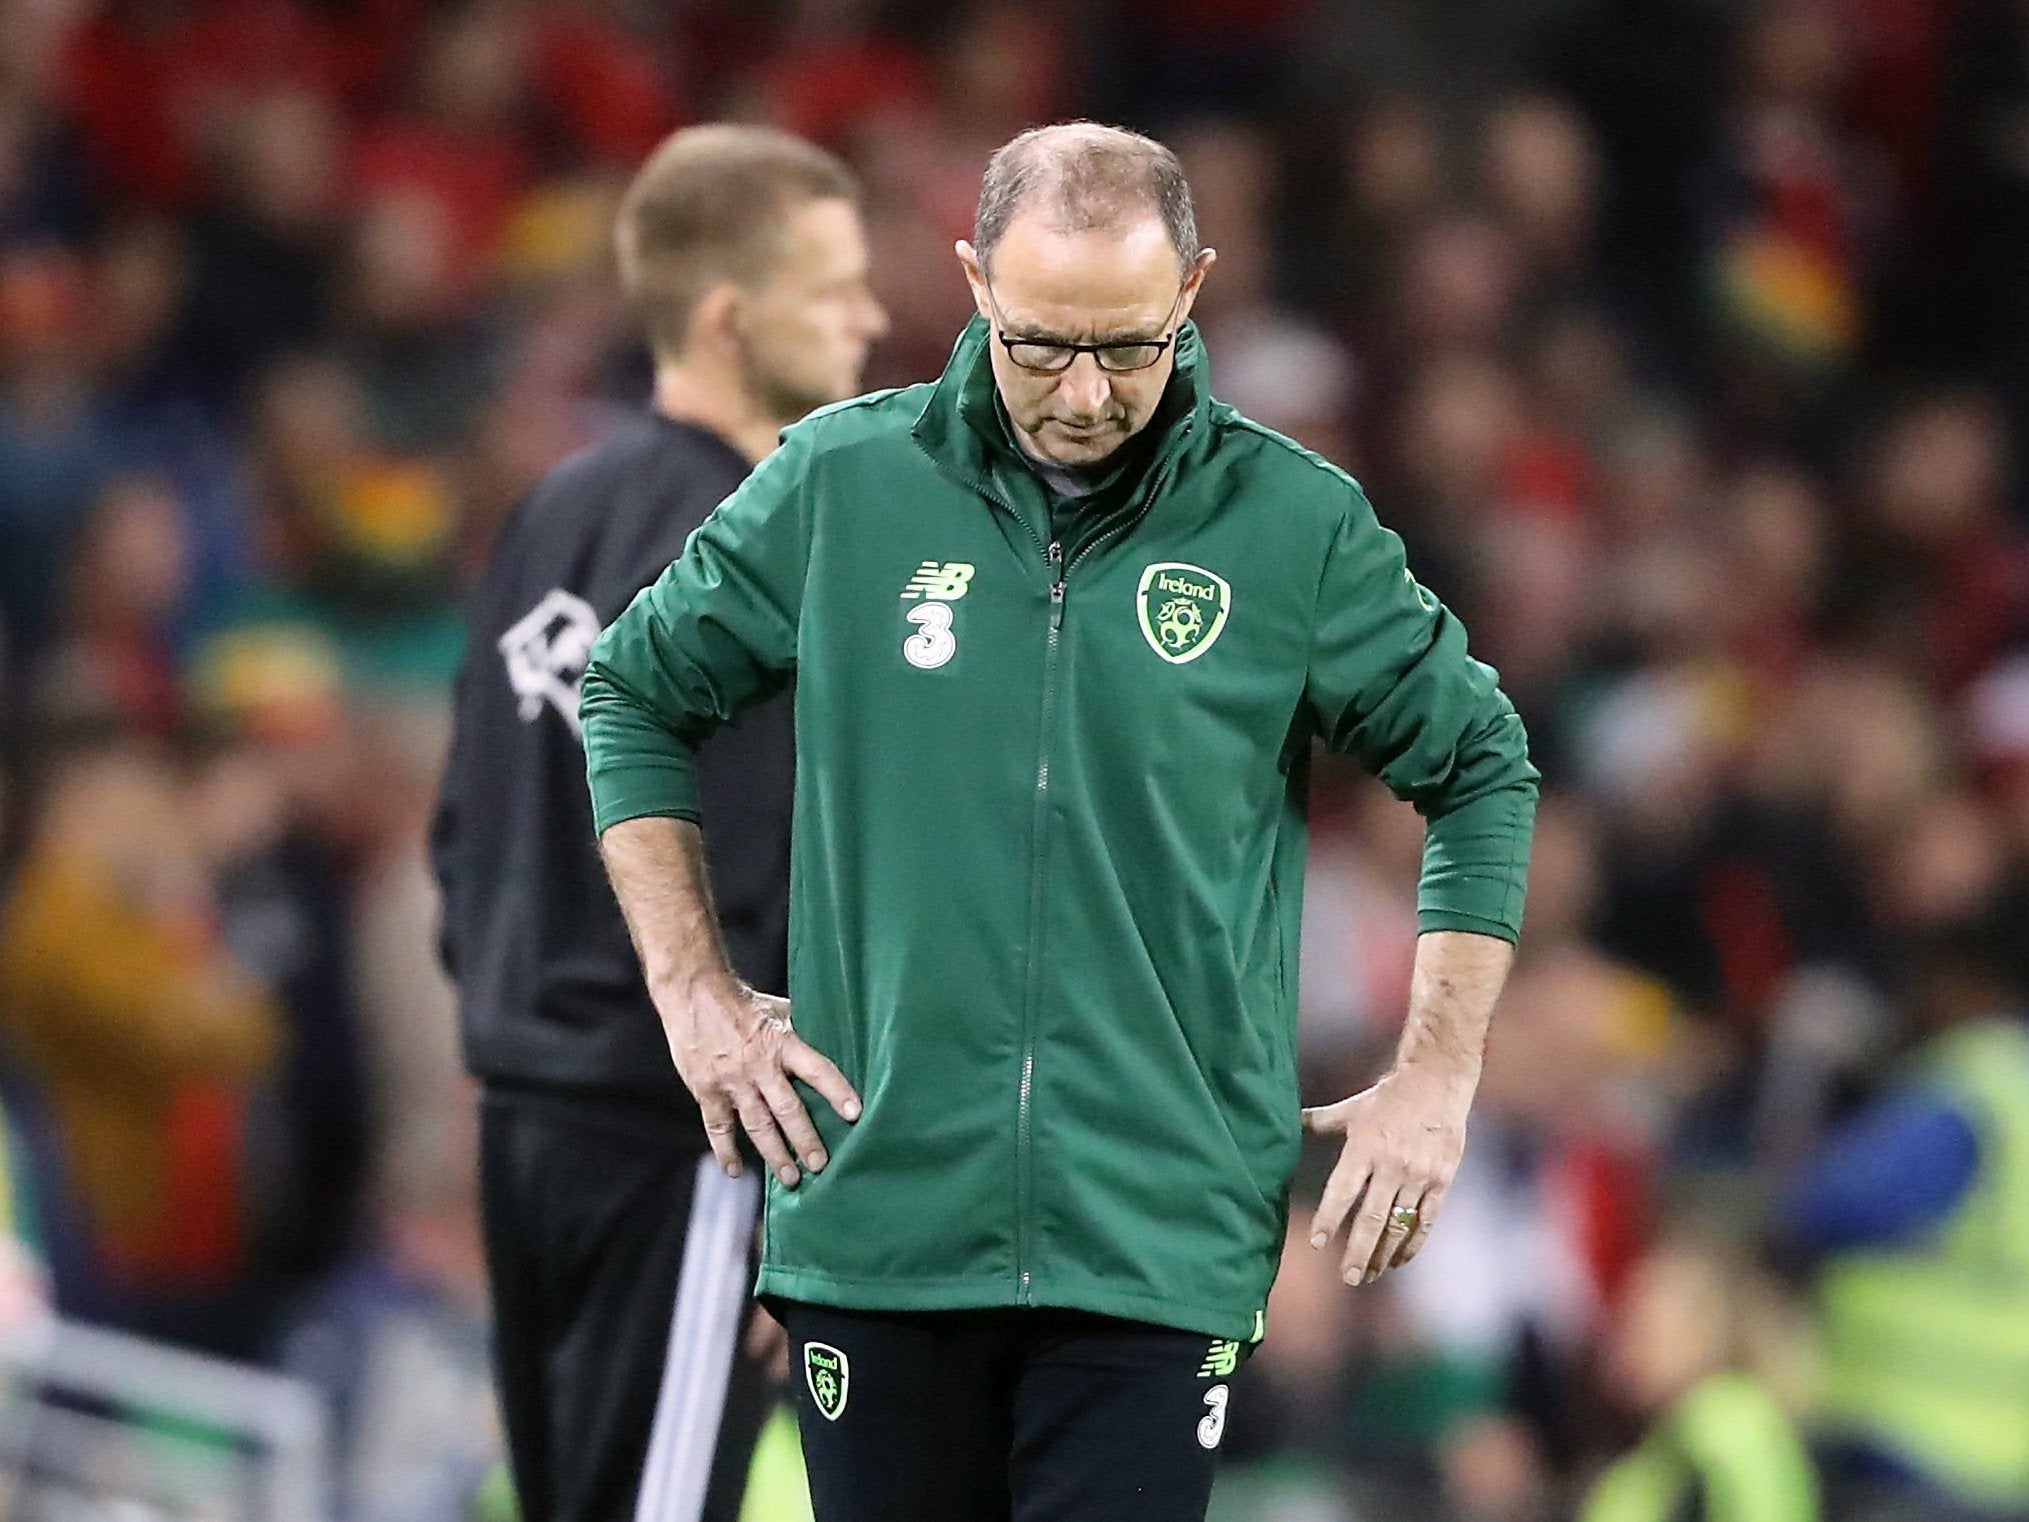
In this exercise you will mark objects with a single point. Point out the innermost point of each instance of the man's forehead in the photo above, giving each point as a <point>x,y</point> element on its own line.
<point>823,235</point>
<point>1091,283</point>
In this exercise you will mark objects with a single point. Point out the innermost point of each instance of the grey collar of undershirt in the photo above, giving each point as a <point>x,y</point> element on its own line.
<point>1071,480</point>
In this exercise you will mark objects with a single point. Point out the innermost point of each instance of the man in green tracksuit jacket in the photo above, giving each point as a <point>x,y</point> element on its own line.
<point>1062,629</point>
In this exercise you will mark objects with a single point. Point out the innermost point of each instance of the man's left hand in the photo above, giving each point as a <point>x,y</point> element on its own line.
<point>1403,1141</point>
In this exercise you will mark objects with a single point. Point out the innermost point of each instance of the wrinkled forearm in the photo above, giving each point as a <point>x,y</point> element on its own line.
<point>657,868</point>
<point>1457,979</point>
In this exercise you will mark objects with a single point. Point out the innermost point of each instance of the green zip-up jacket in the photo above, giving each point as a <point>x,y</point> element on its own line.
<point>1049,835</point>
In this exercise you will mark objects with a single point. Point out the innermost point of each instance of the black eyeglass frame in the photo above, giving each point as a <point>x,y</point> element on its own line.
<point>1071,351</point>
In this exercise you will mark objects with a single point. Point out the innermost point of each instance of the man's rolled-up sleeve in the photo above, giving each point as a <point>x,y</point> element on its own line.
<point>713,635</point>
<point>1392,684</point>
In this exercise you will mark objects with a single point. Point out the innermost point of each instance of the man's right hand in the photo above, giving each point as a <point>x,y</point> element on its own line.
<point>733,1047</point>
<point>737,1053</point>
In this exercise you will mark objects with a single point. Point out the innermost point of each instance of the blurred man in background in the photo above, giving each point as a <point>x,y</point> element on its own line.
<point>1918,1210</point>
<point>1684,1356</point>
<point>618,1252</point>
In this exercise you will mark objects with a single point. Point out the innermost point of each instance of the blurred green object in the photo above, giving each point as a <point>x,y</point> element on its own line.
<point>280,636</point>
<point>1927,1348</point>
<point>1278,1490</point>
<point>18,1219</point>
<point>1404,1404</point>
<point>1727,1444</point>
<point>776,1488</point>
<point>496,1500</point>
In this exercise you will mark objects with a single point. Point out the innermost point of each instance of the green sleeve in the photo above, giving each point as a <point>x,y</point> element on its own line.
<point>713,635</point>
<point>1391,684</point>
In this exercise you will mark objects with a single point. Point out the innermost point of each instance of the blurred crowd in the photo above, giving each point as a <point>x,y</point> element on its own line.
<point>1685,341</point>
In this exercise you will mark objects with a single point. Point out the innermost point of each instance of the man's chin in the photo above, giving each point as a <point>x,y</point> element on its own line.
<point>1063,446</point>
<point>790,400</point>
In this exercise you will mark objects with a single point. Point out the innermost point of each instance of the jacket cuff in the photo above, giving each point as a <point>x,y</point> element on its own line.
<point>1428,920</point>
<point>643,789</point>
<point>1476,864</point>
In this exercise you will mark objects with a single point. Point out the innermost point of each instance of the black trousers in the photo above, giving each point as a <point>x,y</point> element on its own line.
<point>1005,1415</point>
<point>621,1260</point>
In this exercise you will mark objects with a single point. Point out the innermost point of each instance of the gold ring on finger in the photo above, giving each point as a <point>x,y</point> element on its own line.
<point>1405,1216</point>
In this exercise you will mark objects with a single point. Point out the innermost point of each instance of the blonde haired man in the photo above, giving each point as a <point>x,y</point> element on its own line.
<point>618,1252</point>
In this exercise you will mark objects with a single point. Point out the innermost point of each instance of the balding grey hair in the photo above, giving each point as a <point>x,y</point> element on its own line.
<point>1080,176</point>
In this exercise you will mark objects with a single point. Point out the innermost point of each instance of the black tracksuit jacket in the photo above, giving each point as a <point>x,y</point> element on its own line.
<point>550,993</point>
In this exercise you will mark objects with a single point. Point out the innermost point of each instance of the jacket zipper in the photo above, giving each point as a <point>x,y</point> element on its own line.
<point>1053,558</point>
<point>1054,562</point>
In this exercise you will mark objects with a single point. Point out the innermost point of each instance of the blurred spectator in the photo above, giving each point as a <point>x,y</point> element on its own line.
<point>43,189</point>
<point>1915,1212</point>
<point>57,445</point>
<point>1542,172</point>
<point>1457,277</point>
<point>355,541</point>
<point>604,79</point>
<point>835,71</point>
<point>128,581</point>
<point>403,1002</point>
<point>147,1035</point>
<point>283,911</point>
<point>1391,162</point>
<point>1944,565</point>
<point>1275,365</point>
<point>263,249</point>
<point>148,80</point>
<point>170,420</point>
<point>446,164</point>
<point>1006,65</point>
<point>1682,1358</point>
<point>1790,229</point>
<point>1776,529</point>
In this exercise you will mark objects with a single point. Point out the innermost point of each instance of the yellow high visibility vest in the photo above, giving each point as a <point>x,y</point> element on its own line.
<point>1927,1347</point>
<point>1727,1442</point>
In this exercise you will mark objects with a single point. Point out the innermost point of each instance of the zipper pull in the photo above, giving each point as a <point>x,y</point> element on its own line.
<point>1054,558</point>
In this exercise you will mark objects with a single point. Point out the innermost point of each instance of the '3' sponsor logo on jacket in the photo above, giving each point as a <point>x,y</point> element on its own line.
<point>935,586</point>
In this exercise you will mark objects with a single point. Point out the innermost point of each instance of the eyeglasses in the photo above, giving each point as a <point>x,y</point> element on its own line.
<point>1053,356</point>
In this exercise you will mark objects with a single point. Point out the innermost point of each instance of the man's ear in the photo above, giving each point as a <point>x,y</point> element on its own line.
<point>975,277</point>
<point>715,320</point>
<point>1207,257</point>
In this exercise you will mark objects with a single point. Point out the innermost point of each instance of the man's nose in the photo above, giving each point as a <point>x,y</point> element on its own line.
<point>1085,388</point>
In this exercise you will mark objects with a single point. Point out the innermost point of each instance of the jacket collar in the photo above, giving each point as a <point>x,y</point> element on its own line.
<point>961,427</point>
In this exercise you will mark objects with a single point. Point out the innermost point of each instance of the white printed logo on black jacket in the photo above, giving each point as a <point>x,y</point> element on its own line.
<point>546,652</point>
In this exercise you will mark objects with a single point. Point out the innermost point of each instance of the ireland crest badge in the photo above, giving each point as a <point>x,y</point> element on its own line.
<point>1181,609</point>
